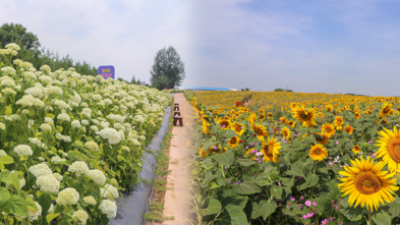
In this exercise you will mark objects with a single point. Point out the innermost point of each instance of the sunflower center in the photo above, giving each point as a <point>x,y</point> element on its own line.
<point>268,150</point>
<point>258,131</point>
<point>393,147</point>
<point>317,151</point>
<point>367,182</point>
<point>304,115</point>
<point>233,141</point>
<point>386,109</point>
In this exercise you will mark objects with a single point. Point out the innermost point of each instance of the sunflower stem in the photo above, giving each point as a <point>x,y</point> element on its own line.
<point>369,221</point>
<point>223,170</point>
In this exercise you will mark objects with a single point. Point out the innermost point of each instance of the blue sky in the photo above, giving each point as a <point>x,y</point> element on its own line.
<point>344,46</point>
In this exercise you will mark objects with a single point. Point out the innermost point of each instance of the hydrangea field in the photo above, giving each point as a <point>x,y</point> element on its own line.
<point>69,143</point>
<point>298,158</point>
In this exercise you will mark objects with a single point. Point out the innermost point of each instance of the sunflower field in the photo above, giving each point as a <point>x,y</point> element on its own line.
<point>69,143</point>
<point>298,158</point>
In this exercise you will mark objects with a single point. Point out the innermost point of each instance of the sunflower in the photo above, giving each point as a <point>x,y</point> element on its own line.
<point>249,155</point>
<point>348,129</point>
<point>307,117</point>
<point>338,122</point>
<point>260,131</point>
<point>384,121</point>
<point>270,115</point>
<point>367,184</point>
<point>329,108</point>
<point>225,123</point>
<point>286,132</point>
<point>233,142</point>
<point>270,150</point>
<point>291,123</point>
<point>252,118</point>
<point>357,115</point>
<point>262,117</point>
<point>389,143</point>
<point>318,152</point>
<point>328,129</point>
<point>283,119</point>
<point>356,149</point>
<point>386,110</point>
<point>238,128</point>
<point>322,138</point>
<point>205,126</point>
<point>203,153</point>
<point>261,111</point>
<point>367,112</point>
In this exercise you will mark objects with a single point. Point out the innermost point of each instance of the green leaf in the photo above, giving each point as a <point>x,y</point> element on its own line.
<point>266,208</point>
<point>107,150</point>
<point>14,180</point>
<point>294,173</point>
<point>352,214</point>
<point>51,217</point>
<point>4,195</point>
<point>209,143</point>
<point>214,206</point>
<point>394,207</point>
<point>245,162</point>
<point>255,211</point>
<point>276,191</point>
<point>58,208</point>
<point>225,159</point>
<point>229,133</point>
<point>233,215</point>
<point>16,204</point>
<point>8,111</point>
<point>31,204</point>
<point>381,218</point>
<point>45,201</point>
<point>246,188</point>
<point>6,159</point>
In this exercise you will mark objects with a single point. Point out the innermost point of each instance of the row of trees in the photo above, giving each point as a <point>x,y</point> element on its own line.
<point>33,52</point>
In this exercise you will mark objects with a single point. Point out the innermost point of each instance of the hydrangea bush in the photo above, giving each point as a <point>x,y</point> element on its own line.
<point>69,142</point>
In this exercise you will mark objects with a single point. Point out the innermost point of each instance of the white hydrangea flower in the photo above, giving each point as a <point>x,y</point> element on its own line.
<point>46,79</point>
<point>2,153</point>
<point>25,111</point>
<point>48,183</point>
<point>2,126</point>
<point>111,134</point>
<point>41,159</point>
<point>7,82</point>
<point>8,70</point>
<point>61,104</point>
<point>29,75</point>
<point>40,170</point>
<point>84,104</point>
<point>90,200</point>
<point>109,192</point>
<point>23,150</point>
<point>119,126</point>
<point>97,97</point>
<point>80,216</point>
<point>109,208</point>
<point>64,117</point>
<point>34,215</point>
<point>58,176</point>
<point>57,159</point>
<point>66,138</point>
<point>45,126</point>
<point>85,122</point>
<point>9,91</point>
<point>97,176</point>
<point>34,91</point>
<point>68,196</point>
<point>48,120</point>
<point>53,90</point>
<point>138,119</point>
<point>79,168</point>
<point>76,124</point>
<point>13,46</point>
<point>92,146</point>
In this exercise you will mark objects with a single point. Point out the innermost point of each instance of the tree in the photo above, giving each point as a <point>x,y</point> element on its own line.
<point>168,70</point>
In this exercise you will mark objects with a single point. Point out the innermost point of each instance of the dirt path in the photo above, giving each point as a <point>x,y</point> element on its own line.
<point>178,197</point>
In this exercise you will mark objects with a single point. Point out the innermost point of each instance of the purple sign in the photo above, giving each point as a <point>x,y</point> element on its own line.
<point>106,71</point>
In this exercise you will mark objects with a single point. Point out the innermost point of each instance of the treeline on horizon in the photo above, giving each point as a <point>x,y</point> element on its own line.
<point>33,52</point>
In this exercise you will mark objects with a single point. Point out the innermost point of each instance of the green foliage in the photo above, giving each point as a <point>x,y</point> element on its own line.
<point>168,70</point>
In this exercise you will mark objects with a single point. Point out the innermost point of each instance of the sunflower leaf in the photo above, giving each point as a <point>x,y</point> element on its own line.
<point>353,214</point>
<point>225,159</point>
<point>246,188</point>
<point>381,218</point>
